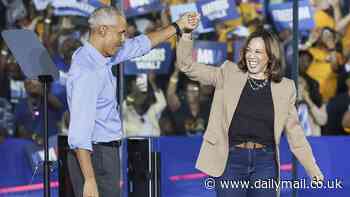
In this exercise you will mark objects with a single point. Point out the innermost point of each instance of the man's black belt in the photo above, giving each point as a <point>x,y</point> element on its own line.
<point>110,144</point>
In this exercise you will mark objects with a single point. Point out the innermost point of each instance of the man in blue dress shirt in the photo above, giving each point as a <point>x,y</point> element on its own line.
<point>95,126</point>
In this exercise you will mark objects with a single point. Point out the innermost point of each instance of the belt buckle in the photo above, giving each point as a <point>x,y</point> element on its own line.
<point>115,143</point>
<point>249,145</point>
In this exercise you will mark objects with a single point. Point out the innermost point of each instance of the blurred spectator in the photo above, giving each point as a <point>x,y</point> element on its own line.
<point>64,123</point>
<point>143,107</point>
<point>4,81</point>
<point>29,116</point>
<point>6,119</point>
<point>15,82</point>
<point>312,113</point>
<point>346,121</point>
<point>336,109</point>
<point>2,15</point>
<point>64,56</point>
<point>329,14</point>
<point>327,61</point>
<point>342,77</point>
<point>305,60</point>
<point>188,114</point>
<point>15,10</point>
<point>131,30</point>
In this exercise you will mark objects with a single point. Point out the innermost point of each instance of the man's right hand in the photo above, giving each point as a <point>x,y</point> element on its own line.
<point>90,188</point>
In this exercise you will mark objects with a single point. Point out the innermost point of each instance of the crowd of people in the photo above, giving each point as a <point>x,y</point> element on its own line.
<point>172,104</point>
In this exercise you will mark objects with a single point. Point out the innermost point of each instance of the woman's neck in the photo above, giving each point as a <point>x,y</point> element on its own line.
<point>259,76</point>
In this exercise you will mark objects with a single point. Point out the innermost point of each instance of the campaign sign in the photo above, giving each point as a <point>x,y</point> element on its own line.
<point>216,10</point>
<point>282,15</point>
<point>177,10</point>
<point>208,52</point>
<point>77,7</point>
<point>140,7</point>
<point>158,60</point>
<point>237,46</point>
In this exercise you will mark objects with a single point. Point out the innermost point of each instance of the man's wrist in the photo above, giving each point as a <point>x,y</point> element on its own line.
<point>90,179</point>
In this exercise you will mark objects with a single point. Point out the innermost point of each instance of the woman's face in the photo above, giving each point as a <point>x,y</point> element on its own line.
<point>256,56</point>
<point>328,38</point>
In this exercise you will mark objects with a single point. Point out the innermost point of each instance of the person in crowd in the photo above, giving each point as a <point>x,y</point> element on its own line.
<point>337,110</point>
<point>143,107</point>
<point>28,112</point>
<point>251,106</point>
<point>312,112</point>
<point>4,80</point>
<point>188,114</point>
<point>14,83</point>
<point>327,61</point>
<point>6,119</point>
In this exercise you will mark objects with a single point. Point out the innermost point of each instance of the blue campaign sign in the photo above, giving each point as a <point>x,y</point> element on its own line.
<point>282,15</point>
<point>77,7</point>
<point>157,60</point>
<point>177,10</point>
<point>208,52</point>
<point>216,10</point>
<point>237,46</point>
<point>140,7</point>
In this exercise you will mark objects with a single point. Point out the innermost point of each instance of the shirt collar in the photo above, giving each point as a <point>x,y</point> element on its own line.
<point>96,54</point>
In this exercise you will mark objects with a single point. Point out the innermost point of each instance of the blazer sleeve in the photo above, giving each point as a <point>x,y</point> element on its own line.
<point>208,75</point>
<point>297,141</point>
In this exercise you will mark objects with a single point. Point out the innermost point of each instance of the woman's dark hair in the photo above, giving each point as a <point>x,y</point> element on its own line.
<point>273,50</point>
<point>149,99</point>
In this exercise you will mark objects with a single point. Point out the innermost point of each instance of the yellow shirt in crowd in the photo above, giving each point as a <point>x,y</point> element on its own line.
<point>321,70</point>
<point>322,19</point>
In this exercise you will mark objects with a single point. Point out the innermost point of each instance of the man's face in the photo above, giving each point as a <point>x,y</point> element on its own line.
<point>114,36</point>
<point>33,87</point>
<point>328,38</point>
<point>192,93</point>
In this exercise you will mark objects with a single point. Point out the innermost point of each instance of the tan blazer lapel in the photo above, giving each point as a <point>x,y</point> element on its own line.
<point>232,92</point>
<point>277,98</point>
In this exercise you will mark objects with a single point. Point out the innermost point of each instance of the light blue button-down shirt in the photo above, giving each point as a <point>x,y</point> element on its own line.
<point>91,93</point>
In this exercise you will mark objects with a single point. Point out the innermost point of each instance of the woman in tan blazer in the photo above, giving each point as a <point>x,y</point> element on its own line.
<point>252,105</point>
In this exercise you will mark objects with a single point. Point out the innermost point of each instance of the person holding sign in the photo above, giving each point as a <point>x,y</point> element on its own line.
<point>251,106</point>
<point>95,126</point>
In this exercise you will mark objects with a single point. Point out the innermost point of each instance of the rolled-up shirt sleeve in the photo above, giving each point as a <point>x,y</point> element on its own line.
<point>83,110</point>
<point>132,48</point>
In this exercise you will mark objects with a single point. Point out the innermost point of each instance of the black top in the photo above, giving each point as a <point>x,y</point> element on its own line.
<point>186,122</point>
<point>336,109</point>
<point>253,119</point>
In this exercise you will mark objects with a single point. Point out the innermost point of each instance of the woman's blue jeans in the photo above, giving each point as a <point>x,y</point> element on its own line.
<point>248,173</point>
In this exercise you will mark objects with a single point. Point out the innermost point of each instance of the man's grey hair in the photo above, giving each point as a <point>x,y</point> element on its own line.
<point>104,16</point>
